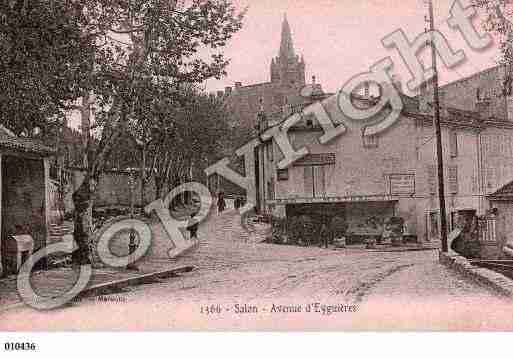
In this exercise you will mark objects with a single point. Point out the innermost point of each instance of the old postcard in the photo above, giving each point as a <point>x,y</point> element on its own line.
<point>270,165</point>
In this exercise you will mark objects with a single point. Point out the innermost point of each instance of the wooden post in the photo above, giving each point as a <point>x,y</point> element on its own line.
<point>438,135</point>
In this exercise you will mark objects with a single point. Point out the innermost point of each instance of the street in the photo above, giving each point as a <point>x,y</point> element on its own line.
<point>241,284</point>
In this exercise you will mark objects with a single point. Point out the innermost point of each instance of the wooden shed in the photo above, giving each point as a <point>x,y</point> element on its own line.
<point>24,196</point>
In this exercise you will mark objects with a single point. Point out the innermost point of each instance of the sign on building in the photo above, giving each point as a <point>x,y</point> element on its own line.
<point>316,159</point>
<point>402,184</point>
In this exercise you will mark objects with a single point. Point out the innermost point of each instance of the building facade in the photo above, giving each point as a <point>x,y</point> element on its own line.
<point>366,180</point>
<point>287,79</point>
<point>487,92</point>
<point>277,98</point>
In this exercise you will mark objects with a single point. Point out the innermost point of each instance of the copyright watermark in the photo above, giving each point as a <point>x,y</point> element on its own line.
<point>389,104</point>
<point>173,228</point>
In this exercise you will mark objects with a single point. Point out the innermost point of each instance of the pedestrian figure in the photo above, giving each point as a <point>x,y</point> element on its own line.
<point>221,204</point>
<point>324,235</point>
<point>192,227</point>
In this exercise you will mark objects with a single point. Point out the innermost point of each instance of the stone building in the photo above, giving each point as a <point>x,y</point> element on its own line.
<point>277,98</point>
<point>487,92</point>
<point>367,179</point>
<point>287,79</point>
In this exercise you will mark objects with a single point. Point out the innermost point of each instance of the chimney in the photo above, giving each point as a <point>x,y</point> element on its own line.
<point>220,93</point>
<point>228,90</point>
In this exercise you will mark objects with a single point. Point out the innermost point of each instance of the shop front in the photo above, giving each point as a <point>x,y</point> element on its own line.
<point>363,216</point>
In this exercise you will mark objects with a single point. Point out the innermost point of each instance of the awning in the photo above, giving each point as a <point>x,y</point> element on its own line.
<point>336,199</point>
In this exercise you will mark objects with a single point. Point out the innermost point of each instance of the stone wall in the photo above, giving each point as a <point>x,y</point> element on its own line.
<point>113,189</point>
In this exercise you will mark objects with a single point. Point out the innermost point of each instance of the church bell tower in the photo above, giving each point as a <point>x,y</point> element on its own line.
<point>287,69</point>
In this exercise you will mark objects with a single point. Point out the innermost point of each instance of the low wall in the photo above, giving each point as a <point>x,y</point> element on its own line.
<point>490,251</point>
<point>113,189</point>
<point>486,277</point>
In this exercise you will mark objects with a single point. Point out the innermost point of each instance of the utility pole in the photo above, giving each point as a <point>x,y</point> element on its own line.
<point>438,134</point>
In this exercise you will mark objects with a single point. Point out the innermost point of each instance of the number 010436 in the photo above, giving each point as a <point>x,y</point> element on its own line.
<point>20,346</point>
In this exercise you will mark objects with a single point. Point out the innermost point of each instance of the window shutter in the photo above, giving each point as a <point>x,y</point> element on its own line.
<point>270,189</point>
<point>308,177</point>
<point>320,188</point>
<point>370,141</point>
<point>453,143</point>
<point>431,178</point>
<point>453,179</point>
<point>283,175</point>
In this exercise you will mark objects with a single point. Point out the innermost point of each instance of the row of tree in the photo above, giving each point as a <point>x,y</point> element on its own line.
<point>129,67</point>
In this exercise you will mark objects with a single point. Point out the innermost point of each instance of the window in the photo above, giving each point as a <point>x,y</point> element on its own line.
<point>453,143</point>
<point>370,141</point>
<point>270,189</point>
<point>433,225</point>
<point>270,151</point>
<point>315,181</point>
<point>309,121</point>
<point>319,181</point>
<point>431,179</point>
<point>283,175</point>
<point>453,179</point>
<point>308,180</point>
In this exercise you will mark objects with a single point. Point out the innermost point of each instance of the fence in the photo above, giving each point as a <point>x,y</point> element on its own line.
<point>487,229</point>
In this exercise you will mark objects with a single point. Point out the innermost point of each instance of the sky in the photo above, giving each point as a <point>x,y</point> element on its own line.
<point>340,39</point>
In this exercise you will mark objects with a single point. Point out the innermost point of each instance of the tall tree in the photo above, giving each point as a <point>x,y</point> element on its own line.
<point>200,135</point>
<point>142,47</point>
<point>43,55</point>
<point>498,19</point>
<point>178,133</point>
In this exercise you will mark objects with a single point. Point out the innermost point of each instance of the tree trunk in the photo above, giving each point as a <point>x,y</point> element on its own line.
<point>143,174</point>
<point>83,202</point>
<point>159,183</point>
<point>82,197</point>
<point>85,115</point>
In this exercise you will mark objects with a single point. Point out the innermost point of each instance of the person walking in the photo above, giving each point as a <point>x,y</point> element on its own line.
<point>324,235</point>
<point>192,227</point>
<point>221,204</point>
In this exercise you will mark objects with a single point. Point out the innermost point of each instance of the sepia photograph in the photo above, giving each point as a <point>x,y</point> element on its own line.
<point>255,166</point>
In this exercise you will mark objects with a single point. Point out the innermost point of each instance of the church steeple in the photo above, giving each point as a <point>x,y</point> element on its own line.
<point>286,45</point>
<point>288,69</point>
